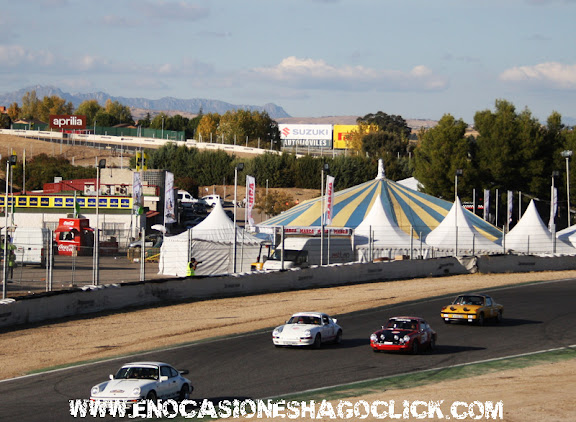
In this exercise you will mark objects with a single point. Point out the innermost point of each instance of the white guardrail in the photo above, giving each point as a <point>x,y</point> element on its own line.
<point>91,299</point>
<point>131,141</point>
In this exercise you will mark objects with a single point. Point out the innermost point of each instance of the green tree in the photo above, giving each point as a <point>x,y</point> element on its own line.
<point>14,111</point>
<point>441,151</point>
<point>208,127</point>
<point>54,105</point>
<point>5,121</point>
<point>119,112</point>
<point>30,106</point>
<point>90,109</point>
<point>511,149</point>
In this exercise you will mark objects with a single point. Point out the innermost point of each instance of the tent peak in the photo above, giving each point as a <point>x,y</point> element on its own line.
<point>381,172</point>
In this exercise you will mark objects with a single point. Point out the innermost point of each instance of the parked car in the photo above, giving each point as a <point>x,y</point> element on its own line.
<point>404,334</point>
<point>307,329</point>
<point>211,200</point>
<point>473,307</point>
<point>143,380</point>
<point>153,240</point>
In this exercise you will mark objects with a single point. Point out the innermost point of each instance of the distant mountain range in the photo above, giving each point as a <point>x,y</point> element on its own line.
<point>163,104</point>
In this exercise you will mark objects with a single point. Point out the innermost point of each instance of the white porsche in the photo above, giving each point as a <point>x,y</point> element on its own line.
<point>307,329</point>
<point>143,380</point>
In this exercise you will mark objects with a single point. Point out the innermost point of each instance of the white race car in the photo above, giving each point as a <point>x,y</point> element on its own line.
<point>143,380</point>
<point>307,329</point>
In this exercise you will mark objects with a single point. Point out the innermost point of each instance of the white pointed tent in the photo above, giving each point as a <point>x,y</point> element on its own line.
<point>212,244</point>
<point>530,235</point>
<point>568,235</point>
<point>378,236</point>
<point>456,231</point>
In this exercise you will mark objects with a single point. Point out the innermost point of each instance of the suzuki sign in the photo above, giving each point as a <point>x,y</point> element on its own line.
<point>315,136</point>
<point>67,122</point>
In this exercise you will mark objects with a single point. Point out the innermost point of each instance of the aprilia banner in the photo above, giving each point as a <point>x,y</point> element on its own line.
<point>250,198</point>
<point>329,199</point>
<point>67,122</point>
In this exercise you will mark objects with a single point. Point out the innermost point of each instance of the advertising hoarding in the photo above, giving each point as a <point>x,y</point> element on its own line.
<point>307,136</point>
<point>342,135</point>
<point>66,121</point>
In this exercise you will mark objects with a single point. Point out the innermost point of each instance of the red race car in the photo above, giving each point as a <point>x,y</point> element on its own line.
<point>404,334</point>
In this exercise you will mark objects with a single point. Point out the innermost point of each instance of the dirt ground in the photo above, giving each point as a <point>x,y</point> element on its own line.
<point>28,349</point>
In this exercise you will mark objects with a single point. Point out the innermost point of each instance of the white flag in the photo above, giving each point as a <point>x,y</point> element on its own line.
<point>486,203</point>
<point>510,205</point>
<point>250,198</point>
<point>329,200</point>
<point>137,201</point>
<point>169,206</point>
<point>553,207</point>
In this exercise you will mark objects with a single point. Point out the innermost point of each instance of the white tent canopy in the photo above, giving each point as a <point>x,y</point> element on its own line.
<point>530,235</point>
<point>212,244</point>
<point>378,236</point>
<point>456,231</point>
<point>568,235</point>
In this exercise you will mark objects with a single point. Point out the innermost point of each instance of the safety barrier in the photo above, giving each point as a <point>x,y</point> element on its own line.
<point>54,305</point>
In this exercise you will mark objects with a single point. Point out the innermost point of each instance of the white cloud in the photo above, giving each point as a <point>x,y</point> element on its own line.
<point>317,74</point>
<point>551,75</point>
<point>16,55</point>
<point>172,10</point>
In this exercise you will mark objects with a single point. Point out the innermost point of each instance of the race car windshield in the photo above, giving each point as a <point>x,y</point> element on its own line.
<point>137,372</point>
<point>469,300</point>
<point>402,324</point>
<point>312,320</point>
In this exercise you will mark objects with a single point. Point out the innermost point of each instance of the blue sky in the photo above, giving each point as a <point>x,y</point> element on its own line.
<point>419,59</point>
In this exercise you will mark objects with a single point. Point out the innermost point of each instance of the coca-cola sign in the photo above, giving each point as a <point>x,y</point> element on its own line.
<point>67,122</point>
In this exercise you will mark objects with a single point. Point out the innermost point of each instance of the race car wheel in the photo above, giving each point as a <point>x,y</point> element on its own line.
<point>415,347</point>
<point>151,395</point>
<point>499,317</point>
<point>480,319</point>
<point>432,344</point>
<point>317,341</point>
<point>184,393</point>
<point>338,338</point>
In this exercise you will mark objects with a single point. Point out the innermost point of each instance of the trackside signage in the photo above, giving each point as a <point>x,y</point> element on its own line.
<point>65,121</point>
<point>314,136</point>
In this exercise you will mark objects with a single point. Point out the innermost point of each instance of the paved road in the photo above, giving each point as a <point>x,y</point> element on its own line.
<point>536,317</point>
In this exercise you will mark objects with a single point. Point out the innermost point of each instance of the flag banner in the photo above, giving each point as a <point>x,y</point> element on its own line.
<point>510,206</point>
<point>329,200</point>
<point>144,161</point>
<point>250,198</point>
<point>138,160</point>
<point>137,199</point>
<point>553,208</point>
<point>486,203</point>
<point>169,209</point>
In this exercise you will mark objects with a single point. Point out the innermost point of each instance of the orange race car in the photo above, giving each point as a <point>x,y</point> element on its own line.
<point>472,307</point>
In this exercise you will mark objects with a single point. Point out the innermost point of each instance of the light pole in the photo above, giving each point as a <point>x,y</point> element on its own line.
<point>239,167</point>
<point>9,163</point>
<point>458,173</point>
<point>567,154</point>
<point>162,127</point>
<point>325,168</point>
<point>96,255</point>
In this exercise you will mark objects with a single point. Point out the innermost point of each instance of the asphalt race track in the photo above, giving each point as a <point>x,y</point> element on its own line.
<point>536,317</point>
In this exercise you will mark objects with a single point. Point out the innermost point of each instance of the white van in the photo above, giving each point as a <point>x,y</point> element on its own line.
<point>32,245</point>
<point>211,200</point>
<point>187,200</point>
<point>301,252</point>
